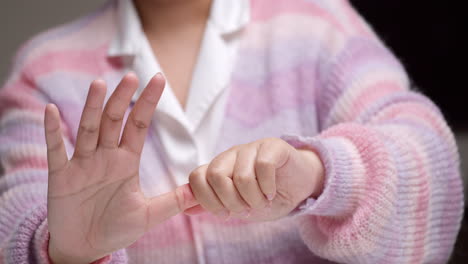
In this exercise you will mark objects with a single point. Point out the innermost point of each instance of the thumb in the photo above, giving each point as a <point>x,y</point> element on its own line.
<point>169,204</point>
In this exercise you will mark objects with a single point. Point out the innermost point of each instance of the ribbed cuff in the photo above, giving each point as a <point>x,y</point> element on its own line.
<point>23,246</point>
<point>344,177</point>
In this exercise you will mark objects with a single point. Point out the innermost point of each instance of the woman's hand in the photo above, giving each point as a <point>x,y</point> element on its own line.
<point>95,205</point>
<point>262,180</point>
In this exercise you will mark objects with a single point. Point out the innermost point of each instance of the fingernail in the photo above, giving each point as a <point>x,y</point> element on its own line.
<point>270,197</point>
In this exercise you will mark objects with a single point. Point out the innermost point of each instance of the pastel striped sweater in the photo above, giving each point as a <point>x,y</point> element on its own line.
<point>311,72</point>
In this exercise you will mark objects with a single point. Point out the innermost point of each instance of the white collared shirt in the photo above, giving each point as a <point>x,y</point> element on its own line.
<point>188,137</point>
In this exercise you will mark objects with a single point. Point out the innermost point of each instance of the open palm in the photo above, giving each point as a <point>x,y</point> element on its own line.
<point>95,204</point>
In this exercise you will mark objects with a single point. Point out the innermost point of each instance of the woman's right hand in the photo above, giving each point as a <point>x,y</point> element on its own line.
<point>95,204</point>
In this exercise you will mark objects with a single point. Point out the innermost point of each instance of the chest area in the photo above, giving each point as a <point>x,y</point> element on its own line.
<point>177,53</point>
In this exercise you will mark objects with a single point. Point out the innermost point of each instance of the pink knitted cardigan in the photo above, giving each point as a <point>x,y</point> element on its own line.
<point>311,72</point>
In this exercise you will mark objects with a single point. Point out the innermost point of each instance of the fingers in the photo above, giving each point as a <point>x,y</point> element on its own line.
<point>114,111</point>
<point>204,193</point>
<point>271,155</point>
<point>219,177</point>
<point>245,179</point>
<point>88,131</point>
<point>169,204</point>
<point>240,179</point>
<point>136,127</point>
<point>56,153</point>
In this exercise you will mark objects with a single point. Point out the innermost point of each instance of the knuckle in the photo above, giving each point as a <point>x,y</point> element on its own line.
<point>242,179</point>
<point>213,179</point>
<point>194,176</point>
<point>264,163</point>
<point>88,129</point>
<point>113,116</point>
<point>215,172</point>
<point>93,108</point>
<point>139,123</point>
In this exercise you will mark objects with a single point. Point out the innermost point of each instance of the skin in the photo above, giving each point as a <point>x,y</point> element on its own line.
<point>175,30</point>
<point>95,204</point>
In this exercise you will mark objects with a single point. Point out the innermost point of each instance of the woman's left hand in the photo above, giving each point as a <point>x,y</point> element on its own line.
<point>262,180</point>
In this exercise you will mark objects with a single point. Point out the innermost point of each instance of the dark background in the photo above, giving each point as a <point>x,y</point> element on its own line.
<point>425,35</point>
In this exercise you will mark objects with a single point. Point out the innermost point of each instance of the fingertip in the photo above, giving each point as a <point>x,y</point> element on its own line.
<point>51,109</point>
<point>51,116</point>
<point>159,77</point>
<point>157,82</point>
<point>131,77</point>
<point>98,82</point>
<point>99,85</point>
<point>131,74</point>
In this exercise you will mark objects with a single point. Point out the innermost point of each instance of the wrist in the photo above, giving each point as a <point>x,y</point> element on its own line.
<point>58,257</point>
<point>315,172</point>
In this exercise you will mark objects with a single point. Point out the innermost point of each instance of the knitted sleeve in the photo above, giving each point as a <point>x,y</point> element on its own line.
<point>393,191</point>
<point>23,180</point>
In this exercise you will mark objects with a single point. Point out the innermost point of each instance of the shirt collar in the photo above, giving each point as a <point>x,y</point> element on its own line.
<point>227,16</point>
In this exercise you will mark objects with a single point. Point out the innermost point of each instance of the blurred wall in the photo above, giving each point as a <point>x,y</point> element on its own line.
<point>21,19</point>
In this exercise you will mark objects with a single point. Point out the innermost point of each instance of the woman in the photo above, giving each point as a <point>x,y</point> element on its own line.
<point>291,122</point>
